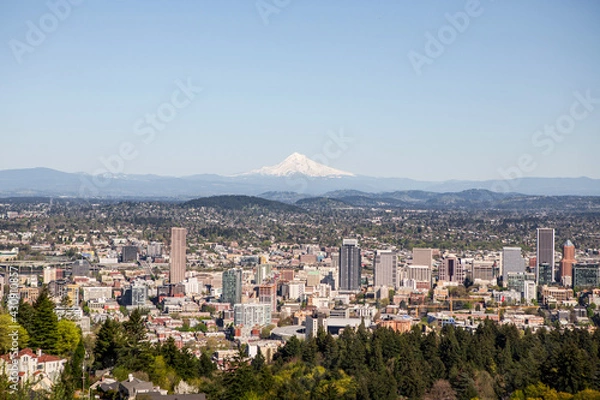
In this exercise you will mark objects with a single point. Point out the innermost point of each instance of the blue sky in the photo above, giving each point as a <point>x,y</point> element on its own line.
<point>312,70</point>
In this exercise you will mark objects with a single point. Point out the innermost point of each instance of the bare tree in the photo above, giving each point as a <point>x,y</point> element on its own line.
<point>441,390</point>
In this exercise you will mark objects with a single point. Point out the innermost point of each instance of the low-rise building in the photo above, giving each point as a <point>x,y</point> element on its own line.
<point>400,325</point>
<point>586,275</point>
<point>33,367</point>
<point>251,315</point>
<point>556,295</point>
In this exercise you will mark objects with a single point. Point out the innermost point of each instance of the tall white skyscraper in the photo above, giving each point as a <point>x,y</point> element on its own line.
<point>512,261</point>
<point>386,269</point>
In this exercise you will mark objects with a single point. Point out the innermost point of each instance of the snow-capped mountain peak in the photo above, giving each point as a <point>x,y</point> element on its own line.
<point>298,163</point>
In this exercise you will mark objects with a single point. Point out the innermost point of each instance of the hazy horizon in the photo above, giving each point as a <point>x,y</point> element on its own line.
<point>431,91</point>
<point>250,172</point>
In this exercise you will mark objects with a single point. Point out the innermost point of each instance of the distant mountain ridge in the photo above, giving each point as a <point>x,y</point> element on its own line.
<point>346,200</point>
<point>45,182</point>
<point>343,200</point>
<point>468,199</point>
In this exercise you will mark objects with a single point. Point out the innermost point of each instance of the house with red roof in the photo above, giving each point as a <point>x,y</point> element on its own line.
<point>34,367</point>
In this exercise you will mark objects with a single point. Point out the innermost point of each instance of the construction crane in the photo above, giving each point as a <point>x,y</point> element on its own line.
<point>505,307</point>
<point>450,300</point>
<point>469,299</point>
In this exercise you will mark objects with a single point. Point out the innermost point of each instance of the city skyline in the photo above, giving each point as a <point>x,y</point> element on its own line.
<point>378,90</point>
<point>264,275</point>
<point>278,198</point>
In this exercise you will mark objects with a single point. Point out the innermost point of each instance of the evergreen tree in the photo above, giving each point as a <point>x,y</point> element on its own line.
<point>431,355</point>
<point>206,365</point>
<point>309,350</point>
<point>75,367</point>
<point>26,315</point>
<point>9,392</point>
<point>183,362</point>
<point>353,351</point>
<point>291,349</point>
<point>187,366</point>
<point>258,362</point>
<point>381,383</point>
<point>135,330</point>
<point>109,342</point>
<point>328,347</point>
<point>572,374</point>
<point>65,387</point>
<point>450,352</point>
<point>241,381</point>
<point>135,354</point>
<point>465,386</point>
<point>170,352</point>
<point>44,334</point>
<point>409,377</point>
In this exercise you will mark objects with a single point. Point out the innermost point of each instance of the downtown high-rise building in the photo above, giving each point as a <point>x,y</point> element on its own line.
<point>386,269</point>
<point>422,256</point>
<point>49,275</point>
<point>335,260</point>
<point>454,269</point>
<point>178,260</point>
<point>545,255</point>
<point>232,286</point>
<point>155,249</point>
<point>449,268</point>
<point>566,264</point>
<point>136,295</point>
<point>512,261</point>
<point>350,265</point>
<point>267,294</point>
<point>252,315</point>
<point>586,275</point>
<point>81,268</point>
<point>129,254</point>
<point>420,275</point>
<point>482,270</point>
<point>263,273</point>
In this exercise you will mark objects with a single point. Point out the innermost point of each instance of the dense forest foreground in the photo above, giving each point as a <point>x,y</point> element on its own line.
<point>494,362</point>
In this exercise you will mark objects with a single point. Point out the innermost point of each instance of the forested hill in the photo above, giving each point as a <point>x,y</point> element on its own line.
<point>474,199</point>
<point>493,362</point>
<point>238,202</point>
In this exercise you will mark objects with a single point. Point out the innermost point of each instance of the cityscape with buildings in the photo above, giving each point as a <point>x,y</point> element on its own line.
<point>300,200</point>
<point>224,284</point>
